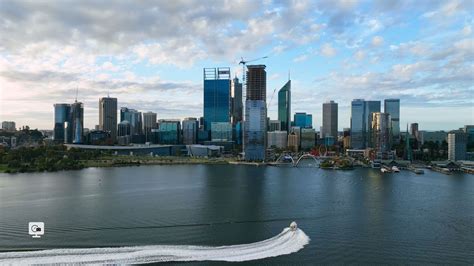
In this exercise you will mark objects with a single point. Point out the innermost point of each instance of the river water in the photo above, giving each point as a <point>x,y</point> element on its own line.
<point>360,216</point>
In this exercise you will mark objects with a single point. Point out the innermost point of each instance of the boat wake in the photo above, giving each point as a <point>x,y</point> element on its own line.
<point>290,240</point>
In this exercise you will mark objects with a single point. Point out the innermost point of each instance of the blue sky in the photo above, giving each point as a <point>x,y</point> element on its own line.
<point>150,55</point>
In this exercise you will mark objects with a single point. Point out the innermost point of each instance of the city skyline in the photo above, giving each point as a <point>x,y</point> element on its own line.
<point>336,50</point>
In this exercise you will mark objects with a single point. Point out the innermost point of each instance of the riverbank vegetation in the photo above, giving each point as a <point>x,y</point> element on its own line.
<point>56,157</point>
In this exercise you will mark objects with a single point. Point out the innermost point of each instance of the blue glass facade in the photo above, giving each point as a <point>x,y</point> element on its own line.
<point>284,106</point>
<point>392,107</point>
<point>255,130</point>
<point>358,124</point>
<point>169,132</point>
<point>303,120</point>
<point>61,116</point>
<point>217,96</point>
<point>134,118</point>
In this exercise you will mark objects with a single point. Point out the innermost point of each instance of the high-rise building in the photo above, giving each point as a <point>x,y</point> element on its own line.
<point>381,132</point>
<point>284,106</point>
<point>370,107</point>
<point>392,107</point>
<point>190,130</point>
<point>9,126</point>
<point>149,123</point>
<point>169,131</point>
<point>329,119</point>
<point>277,139</point>
<point>308,138</point>
<point>358,124</point>
<point>108,116</point>
<point>255,125</point>
<point>469,130</point>
<point>255,130</point>
<point>134,118</point>
<point>303,120</point>
<point>256,83</point>
<point>77,123</point>
<point>414,131</point>
<point>62,114</point>
<point>457,145</point>
<point>217,96</point>
<point>237,105</point>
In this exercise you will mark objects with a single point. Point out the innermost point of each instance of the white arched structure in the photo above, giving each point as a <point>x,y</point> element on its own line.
<point>307,155</point>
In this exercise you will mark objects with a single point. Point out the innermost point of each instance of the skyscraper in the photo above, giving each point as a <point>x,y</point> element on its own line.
<point>284,106</point>
<point>77,123</point>
<point>217,105</point>
<point>380,133</point>
<point>256,83</point>
<point>108,116</point>
<point>134,118</point>
<point>149,123</point>
<point>370,107</point>
<point>255,125</point>
<point>358,124</point>
<point>457,145</point>
<point>190,130</point>
<point>237,105</point>
<point>329,119</point>
<point>392,107</point>
<point>61,116</point>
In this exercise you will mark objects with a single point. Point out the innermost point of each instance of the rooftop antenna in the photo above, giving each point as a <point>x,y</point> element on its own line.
<point>289,74</point>
<point>77,91</point>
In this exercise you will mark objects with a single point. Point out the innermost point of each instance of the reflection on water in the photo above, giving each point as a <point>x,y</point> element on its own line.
<point>359,216</point>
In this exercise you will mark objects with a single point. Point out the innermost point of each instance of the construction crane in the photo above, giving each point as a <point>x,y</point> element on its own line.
<point>244,64</point>
<point>273,94</point>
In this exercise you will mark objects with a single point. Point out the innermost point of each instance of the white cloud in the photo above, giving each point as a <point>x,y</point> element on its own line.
<point>377,41</point>
<point>327,50</point>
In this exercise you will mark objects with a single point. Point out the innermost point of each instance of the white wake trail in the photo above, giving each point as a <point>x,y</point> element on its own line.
<point>288,241</point>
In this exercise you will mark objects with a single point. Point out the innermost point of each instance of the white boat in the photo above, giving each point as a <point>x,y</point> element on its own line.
<point>395,169</point>
<point>383,170</point>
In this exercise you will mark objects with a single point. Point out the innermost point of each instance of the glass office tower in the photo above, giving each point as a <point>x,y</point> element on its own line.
<point>77,123</point>
<point>358,124</point>
<point>370,108</point>
<point>392,107</point>
<point>303,120</point>
<point>284,106</point>
<point>255,125</point>
<point>61,116</point>
<point>217,98</point>
<point>134,118</point>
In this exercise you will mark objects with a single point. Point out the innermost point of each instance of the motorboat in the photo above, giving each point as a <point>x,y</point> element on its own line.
<point>385,170</point>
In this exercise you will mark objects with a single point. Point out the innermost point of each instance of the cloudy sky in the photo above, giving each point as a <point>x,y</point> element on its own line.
<point>150,55</point>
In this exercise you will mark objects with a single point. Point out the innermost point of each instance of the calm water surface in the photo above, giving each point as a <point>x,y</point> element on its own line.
<point>359,216</point>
